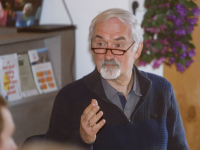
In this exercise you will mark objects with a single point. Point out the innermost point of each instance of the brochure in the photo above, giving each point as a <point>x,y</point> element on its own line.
<point>28,86</point>
<point>9,77</point>
<point>42,70</point>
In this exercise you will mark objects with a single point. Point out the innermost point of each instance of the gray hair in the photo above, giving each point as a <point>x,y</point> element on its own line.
<point>125,17</point>
<point>29,5</point>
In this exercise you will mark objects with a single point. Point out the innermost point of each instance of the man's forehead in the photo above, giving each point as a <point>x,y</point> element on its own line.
<point>114,28</point>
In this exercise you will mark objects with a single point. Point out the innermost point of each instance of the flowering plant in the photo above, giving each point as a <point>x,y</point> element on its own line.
<point>168,25</point>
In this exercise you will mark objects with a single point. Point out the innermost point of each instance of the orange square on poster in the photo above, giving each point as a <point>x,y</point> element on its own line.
<point>52,85</point>
<point>48,79</point>
<point>43,86</point>
<point>40,74</point>
<point>48,72</point>
<point>42,80</point>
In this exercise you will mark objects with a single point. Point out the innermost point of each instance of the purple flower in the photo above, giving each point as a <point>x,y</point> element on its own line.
<point>191,53</point>
<point>192,21</point>
<point>182,10</point>
<point>184,47</point>
<point>183,55</point>
<point>173,50</point>
<point>188,63</point>
<point>158,62</point>
<point>180,67</point>
<point>171,17</point>
<point>190,28</point>
<point>172,60</point>
<point>196,11</point>
<point>181,31</point>
<point>177,44</point>
<point>178,21</point>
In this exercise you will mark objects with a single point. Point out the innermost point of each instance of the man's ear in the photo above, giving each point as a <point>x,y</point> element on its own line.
<point>139,51</point>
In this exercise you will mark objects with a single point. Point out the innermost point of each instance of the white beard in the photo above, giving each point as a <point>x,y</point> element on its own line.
<point>110,72</point>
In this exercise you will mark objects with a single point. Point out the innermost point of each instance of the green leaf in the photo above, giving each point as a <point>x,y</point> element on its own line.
<point>161,35</point>
<point>182,61</point>
<point>191,45</point>
<point>189,36</point>
<point>147,3</point>
<point>146,58</point>
<point>191,4</point>
<point>158,45</point>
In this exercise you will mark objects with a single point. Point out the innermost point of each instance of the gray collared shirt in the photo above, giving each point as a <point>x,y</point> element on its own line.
<point>133,96</point>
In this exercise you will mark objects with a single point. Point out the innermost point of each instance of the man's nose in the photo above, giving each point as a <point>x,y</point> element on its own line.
<point>109,55</point>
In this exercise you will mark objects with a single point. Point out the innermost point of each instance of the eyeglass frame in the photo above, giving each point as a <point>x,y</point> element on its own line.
<point>124,51</point>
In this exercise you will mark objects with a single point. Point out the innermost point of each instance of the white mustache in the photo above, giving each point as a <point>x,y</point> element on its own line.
<point>109,62</point>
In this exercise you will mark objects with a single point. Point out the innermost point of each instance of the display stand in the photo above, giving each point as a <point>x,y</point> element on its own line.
<point>32,114</point>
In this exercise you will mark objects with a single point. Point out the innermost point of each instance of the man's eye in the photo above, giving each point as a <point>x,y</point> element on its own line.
<point>101,44</point>
<point>119,45</point>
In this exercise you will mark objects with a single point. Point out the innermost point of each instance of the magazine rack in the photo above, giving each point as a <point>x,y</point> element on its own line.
<point>32,114</point>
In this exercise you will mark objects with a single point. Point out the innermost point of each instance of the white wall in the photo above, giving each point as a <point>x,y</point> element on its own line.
<point>82,12</point>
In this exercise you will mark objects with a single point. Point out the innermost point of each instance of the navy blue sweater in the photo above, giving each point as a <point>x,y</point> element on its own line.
<point>155,123</point>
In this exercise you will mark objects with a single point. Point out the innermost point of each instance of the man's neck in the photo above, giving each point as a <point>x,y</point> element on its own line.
<point>122,84</point>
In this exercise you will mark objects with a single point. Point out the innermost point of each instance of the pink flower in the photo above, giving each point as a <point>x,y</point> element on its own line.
<point>167,5</point>
<point>162,27</point>
<point>154,49</point>
<point>141,63</point>
<point>163,41</point>
<point>158,62</point>
<point>164,50</point>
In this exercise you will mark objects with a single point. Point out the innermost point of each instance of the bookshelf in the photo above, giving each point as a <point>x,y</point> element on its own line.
<point>32,114</point>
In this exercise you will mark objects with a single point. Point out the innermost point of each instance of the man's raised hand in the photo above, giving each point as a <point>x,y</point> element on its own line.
<point>89,126</point>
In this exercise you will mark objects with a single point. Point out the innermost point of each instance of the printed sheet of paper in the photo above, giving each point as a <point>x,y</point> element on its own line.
<point>28,86</point>
<point>42,70</point>
<point>9,77</point>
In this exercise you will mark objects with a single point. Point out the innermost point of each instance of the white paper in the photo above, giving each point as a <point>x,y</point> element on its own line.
<point>9,77</point>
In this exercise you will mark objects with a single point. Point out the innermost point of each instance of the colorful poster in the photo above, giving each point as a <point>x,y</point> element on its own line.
<point>9,77</point>
<point>42,70</point>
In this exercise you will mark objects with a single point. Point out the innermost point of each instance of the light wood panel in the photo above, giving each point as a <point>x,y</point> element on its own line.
<point>187,90</point>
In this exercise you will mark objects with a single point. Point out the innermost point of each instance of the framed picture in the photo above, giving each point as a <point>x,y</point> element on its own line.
<point>20,13</point>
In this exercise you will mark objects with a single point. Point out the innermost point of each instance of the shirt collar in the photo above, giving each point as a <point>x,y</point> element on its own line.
<point>136,85</point>
<point>111,92</point>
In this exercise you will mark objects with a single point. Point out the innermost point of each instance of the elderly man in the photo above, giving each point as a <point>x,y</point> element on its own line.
<point>6,127</point>
<point>117,107</point>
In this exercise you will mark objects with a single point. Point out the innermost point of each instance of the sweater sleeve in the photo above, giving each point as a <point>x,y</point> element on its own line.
<point>176,133</point>
<point>64,127</point>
